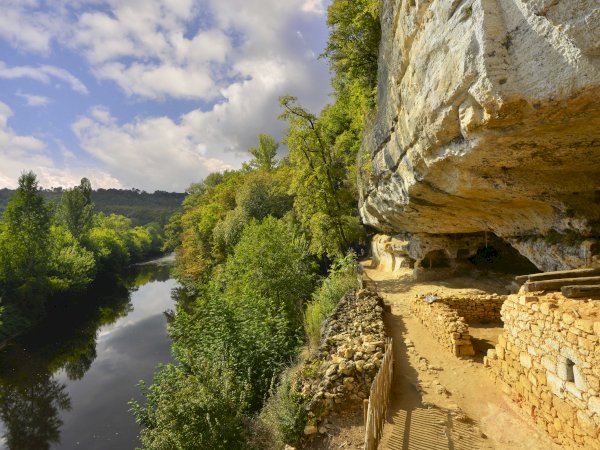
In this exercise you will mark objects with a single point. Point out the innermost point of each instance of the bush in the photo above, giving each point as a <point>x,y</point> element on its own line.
<point>193,408</point>
<point>340,280</point>
<point>283,418</point>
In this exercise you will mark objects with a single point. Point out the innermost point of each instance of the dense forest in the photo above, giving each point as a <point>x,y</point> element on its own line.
<point>51,249</point>
<point>264,254</point>
<point>139,206</point>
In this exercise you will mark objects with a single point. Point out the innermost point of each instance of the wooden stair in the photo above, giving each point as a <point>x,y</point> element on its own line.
<point>576,283</point>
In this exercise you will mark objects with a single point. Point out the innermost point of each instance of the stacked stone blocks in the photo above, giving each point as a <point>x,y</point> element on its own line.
<point>447,318</point>
<point>548,359</point>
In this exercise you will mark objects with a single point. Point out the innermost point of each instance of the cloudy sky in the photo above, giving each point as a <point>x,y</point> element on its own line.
<point>152,94</point>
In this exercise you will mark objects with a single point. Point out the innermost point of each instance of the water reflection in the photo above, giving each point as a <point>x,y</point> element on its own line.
<point>66,383</point>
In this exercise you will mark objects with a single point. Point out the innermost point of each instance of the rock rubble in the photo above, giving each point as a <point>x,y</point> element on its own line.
<point>342,369</point>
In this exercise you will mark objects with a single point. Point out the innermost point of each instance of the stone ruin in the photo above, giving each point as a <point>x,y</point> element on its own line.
<point>341,371</point>
<point>548,360</point>
<point>447,318</point>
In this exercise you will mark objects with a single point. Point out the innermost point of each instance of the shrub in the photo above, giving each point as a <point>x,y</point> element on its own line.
<point>340,280</point>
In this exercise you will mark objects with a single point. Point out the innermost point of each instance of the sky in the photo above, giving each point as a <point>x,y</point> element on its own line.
<point>150,94</point>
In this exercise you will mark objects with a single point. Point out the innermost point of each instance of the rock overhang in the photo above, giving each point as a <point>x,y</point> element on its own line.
<point>488,120</point>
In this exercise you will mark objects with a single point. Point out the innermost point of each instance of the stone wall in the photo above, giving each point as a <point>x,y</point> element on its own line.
<point>549,360</point>
<point>477,308</point>
<point>445,324</point>
<point>351,351</point>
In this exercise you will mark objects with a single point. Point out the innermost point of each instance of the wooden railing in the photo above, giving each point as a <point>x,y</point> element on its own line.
<point>376,407</point>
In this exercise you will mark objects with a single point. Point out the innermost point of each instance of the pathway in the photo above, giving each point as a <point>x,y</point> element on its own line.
<point>439,401</point>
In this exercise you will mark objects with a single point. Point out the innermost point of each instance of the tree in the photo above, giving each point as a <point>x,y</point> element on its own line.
<point>353,44</point>
<point>26,224</point>
<point>76,209</point>
<point>264,154</point>
<point>325,199</point>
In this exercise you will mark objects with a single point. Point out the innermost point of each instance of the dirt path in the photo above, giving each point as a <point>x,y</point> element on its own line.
<point>439,401</point>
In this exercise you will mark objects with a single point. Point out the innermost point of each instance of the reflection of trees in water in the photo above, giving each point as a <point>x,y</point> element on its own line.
<point>30,412</point>
<point>146,273</point>
<point>30,399</point>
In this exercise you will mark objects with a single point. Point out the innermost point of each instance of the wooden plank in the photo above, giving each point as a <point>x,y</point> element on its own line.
<point>586,290</point>
<point>574,273</point>
<point>556,285</point>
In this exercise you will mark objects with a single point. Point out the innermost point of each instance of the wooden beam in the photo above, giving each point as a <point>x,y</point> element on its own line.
<point>556,285</point>
<point>575,273</point>
<point>586,290</point>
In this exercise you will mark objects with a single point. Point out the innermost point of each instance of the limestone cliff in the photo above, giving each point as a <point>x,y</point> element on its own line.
<point>489,120</point>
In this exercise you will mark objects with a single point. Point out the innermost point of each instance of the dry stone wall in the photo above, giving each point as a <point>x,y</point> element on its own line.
<point>548,358</point>
<point>351,352</point>
<point>447,318</point>
<point>445,324</point>
<point>477,308</point>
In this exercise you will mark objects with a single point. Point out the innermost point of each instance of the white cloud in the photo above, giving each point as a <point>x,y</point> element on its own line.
<point>33,100</point>
<point>241,53</point>
<point>148,154</point>
<point>22,153</point>
<point>44,74</point>
<point>25,28</point>
<point>314,6</point>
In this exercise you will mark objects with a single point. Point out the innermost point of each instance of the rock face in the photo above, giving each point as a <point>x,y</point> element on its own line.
<point>488,120</point>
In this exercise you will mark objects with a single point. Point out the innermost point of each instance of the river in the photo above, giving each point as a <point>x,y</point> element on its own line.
<point>67,383</point>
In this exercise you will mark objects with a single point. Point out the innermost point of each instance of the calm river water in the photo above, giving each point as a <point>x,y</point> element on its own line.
<point>67,383</point>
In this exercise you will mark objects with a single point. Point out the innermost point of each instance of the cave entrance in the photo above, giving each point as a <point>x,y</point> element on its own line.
<point>500,256</point>
<point>436,259</point>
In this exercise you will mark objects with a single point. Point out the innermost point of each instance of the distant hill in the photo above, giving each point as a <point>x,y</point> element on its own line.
<point>140,206</point>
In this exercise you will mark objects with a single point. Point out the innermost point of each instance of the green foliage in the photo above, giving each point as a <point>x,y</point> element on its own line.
<point>109,249</point>
<point>264,154</point>
<point>341,279</point>
<point>325,198</point>
<point>283,418</point>
<point>76,210</point>
<point>139,206</point>
<point>246,327</point>
<point>353,44</point>
<point>24,245</point>
<point>71,266</point>
<point>191,408</point>
<point>272,263</point>
<point>172,233</point>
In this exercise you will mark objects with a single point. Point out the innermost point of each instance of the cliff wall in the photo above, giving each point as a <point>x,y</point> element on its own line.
<point>488,120</point>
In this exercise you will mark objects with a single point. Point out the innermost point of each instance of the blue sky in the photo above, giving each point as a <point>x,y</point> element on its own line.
<point>152,94</point>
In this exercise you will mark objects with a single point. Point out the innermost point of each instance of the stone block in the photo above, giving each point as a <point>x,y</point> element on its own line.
<point>594,405</point>
<point>555,384</point>
<point>525,360</point>
<point>549,363</point>
<point>573,390</point>
<point>585,325</point>
<point>588,426</point>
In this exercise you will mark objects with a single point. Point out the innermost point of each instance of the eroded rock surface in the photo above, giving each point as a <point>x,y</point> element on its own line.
<point>489,119</point>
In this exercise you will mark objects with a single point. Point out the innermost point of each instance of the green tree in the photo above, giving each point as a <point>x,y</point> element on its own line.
<point>76,209</point>
<point>71,266</point>
<point>353,44</point>
<point>264,154</point>
<point>26,229</point>
<point>325,201</point>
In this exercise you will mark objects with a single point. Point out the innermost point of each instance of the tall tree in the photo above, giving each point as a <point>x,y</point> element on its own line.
<point>76,209</point>
<point>26,224</point>
<point>264,154</point>
<point>325,198</point>
<point>353,44</point>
